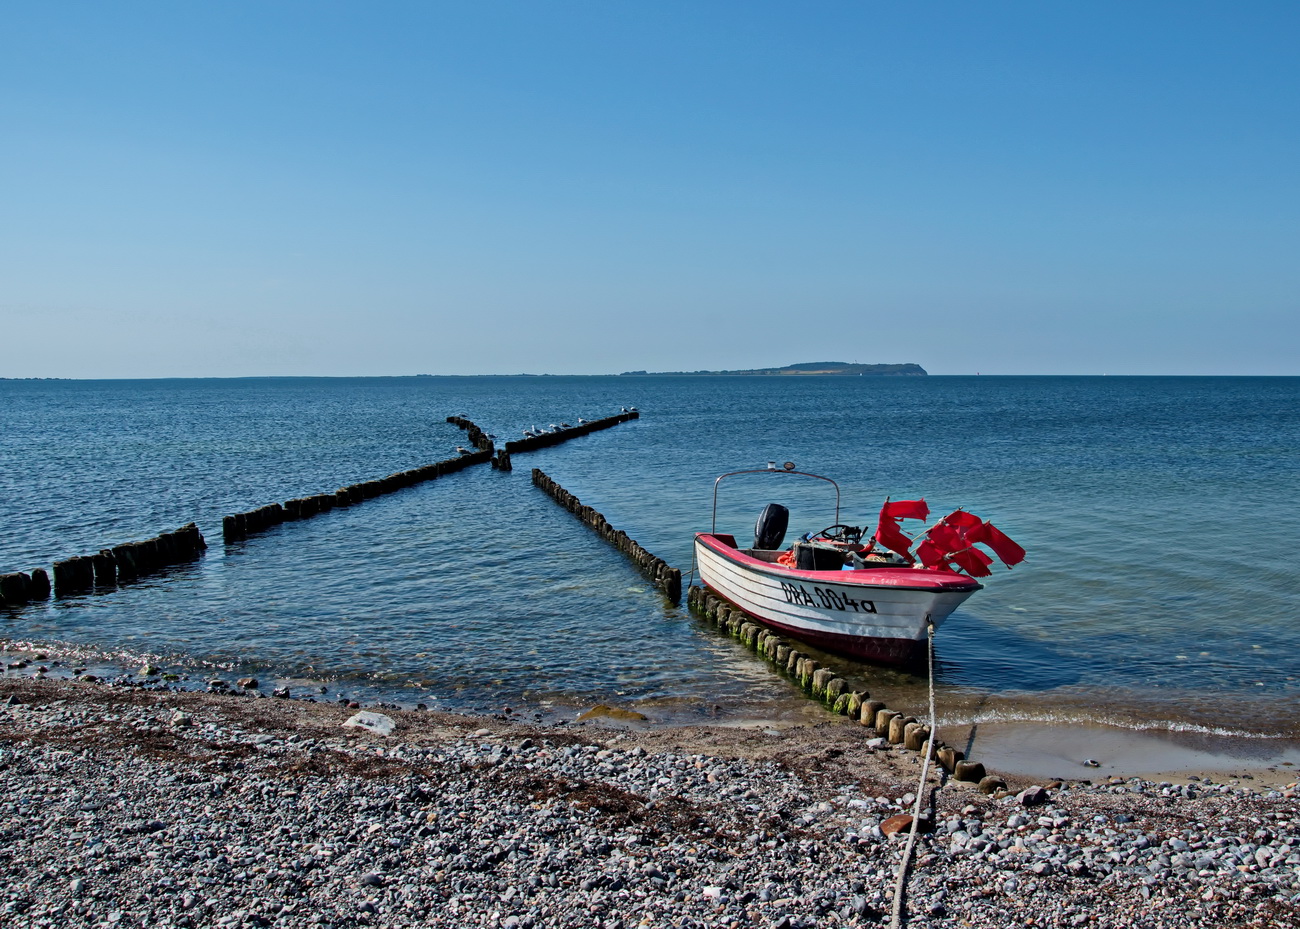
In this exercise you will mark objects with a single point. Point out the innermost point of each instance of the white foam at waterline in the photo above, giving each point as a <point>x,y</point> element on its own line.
<point>1058,719</point>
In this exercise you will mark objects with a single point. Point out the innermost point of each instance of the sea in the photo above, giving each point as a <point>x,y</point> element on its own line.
<point>1160,515</point>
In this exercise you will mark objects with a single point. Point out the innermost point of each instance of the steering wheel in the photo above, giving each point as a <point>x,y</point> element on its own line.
<point>839,533</point>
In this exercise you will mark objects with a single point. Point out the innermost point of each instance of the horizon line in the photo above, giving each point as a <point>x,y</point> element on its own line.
<point>264,377</point>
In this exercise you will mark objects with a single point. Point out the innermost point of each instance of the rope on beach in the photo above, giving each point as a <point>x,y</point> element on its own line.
<point>896,919</point>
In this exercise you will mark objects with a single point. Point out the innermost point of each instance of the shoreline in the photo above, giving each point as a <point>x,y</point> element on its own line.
<point>1041,750</point>
<point>187,809</point>
<point>1011,748</point>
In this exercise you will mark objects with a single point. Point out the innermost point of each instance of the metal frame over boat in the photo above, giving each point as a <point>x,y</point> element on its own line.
<point>875,609</point>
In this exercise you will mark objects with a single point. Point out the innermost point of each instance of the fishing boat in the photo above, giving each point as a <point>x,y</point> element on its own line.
<point>866,595</point>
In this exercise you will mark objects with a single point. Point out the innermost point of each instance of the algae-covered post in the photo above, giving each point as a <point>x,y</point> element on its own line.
<point>666,578</point>
<point>825,685</point>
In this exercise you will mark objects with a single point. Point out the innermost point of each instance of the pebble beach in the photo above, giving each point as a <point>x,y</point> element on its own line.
<point>122,806</point>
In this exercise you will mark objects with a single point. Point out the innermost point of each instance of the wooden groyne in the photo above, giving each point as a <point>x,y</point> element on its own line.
<point>22,587</point>
<point>106,568</point>
<point>825,685</point>
<point>136,559</point>
<point>128,561</point>
<point>483,442</point>
<point>477,437</point>
<point>666,578</point>
<point>564,433</point>
<point>242,525</point>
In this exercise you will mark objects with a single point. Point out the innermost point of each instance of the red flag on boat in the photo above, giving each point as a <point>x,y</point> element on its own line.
<point>1008,551</point>
<point>940,539</point>
<point>976,531</point>
<point>889,535</point>
<point>906,509</point>
<point>962,521</point>
<point>950,542</point>
<point>930,554</point>
<point>973,561</point>
<point>947,538</point>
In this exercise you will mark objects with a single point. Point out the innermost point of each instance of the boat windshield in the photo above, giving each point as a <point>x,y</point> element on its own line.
<point>770,469</point>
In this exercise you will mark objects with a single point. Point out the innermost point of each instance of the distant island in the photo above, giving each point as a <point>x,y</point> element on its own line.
<point>814,367</point>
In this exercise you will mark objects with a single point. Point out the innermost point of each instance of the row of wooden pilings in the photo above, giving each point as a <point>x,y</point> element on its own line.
<point>136,559</point>
<point>547,439</point>
<point>124,562</point>
<point>22,587</point>
<point>477,437</point>
<point>824,685</point>
<point>483,442</point>
<point>666,578</point>
<point>241,525</point>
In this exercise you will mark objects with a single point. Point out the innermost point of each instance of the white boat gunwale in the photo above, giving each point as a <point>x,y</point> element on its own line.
<point>856,577</point>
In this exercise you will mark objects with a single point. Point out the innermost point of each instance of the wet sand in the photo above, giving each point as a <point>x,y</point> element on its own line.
<point>1044,751</point>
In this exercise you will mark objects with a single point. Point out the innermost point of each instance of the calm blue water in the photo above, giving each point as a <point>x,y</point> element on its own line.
<point>1158,513</point>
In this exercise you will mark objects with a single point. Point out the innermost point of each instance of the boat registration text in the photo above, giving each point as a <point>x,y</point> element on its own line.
<point>824,597</point>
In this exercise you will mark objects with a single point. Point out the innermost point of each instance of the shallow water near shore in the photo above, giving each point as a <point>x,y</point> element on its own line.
<point>1153,598</point>
<point>1094,751</point>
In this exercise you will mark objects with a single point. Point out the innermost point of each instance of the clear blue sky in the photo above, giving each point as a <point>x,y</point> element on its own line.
<point>590,187</point>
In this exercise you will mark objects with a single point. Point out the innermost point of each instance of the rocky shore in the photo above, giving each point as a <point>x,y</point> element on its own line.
<point>121,807</point>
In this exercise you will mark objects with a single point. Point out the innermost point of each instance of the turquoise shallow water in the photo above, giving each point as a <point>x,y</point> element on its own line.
<point>1159,589</point>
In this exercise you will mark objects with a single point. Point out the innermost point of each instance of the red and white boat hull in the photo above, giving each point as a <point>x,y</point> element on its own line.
<point>878,614</point>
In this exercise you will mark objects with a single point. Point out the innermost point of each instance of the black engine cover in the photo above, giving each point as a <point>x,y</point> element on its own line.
<point>769,531</point>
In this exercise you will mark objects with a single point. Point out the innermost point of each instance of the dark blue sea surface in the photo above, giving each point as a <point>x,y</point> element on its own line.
<point>1159,513</point>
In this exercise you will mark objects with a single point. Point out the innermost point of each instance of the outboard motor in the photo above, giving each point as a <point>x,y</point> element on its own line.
<point>769,531</point>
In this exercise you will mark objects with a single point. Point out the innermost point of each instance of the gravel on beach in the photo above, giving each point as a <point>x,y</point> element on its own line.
<point>126,807</point>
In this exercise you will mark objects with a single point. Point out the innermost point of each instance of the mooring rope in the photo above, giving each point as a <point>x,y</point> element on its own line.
<point>896,920</point>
